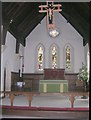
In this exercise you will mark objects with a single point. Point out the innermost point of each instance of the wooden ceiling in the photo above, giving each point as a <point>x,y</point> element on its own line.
<point>20,18</point>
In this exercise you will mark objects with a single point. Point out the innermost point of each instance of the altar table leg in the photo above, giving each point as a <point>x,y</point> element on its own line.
<point>72,99</point>
<point>11,97</point>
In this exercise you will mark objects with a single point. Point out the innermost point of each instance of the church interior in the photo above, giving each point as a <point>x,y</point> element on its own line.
<point>45,60</point>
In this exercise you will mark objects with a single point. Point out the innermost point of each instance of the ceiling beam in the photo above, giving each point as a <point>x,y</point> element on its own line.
<point>21,14</point>
<point>12,10</point>
<point>33,23</point>
<point>82,9</point>
<point>6,18</point>
<point>5,23</point>
<point>27,19</point>
<point>14,32</point>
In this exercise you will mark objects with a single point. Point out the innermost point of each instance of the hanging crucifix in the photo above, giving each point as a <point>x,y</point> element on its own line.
<point>50,8</point>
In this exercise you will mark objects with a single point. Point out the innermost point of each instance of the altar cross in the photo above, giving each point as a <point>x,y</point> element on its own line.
<point>50,8</point>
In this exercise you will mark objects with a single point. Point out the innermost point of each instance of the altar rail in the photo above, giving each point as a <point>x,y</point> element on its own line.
<point>29,95</point>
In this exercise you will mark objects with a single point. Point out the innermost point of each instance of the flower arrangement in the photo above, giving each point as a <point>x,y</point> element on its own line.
<point>83,73</point>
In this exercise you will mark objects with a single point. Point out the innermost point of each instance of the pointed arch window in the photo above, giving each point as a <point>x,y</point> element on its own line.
<point>40,58</point>
<point>68,60</point>
<point>53,56</point>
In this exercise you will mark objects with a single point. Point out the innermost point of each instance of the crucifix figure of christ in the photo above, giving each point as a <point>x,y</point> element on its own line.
<point>50,8</point>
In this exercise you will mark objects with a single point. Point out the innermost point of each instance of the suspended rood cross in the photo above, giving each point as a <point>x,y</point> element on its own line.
<point>50,8</point>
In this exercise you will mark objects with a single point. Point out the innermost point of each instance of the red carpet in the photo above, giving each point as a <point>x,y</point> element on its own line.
<point>44,108</point>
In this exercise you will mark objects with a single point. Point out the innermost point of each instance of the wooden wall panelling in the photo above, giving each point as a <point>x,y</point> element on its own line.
<point>71,77</point>
<point>32,79</point>
<point>35,77</point>
<point>14,79</point>
<point>36,85</point>
<point>54,74</point>
<point>28,84</point>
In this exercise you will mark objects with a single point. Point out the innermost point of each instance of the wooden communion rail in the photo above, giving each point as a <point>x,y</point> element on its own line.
<point>29,95</point>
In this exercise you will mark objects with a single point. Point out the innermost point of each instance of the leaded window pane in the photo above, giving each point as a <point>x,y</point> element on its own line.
<point>40,58</point>
<point>54,58</point>
<point>68,60</point>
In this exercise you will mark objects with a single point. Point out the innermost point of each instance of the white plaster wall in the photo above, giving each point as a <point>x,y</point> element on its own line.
<point>10,60</point>
<point>21,50</point>
<point>17,62</point>
<point>7,60</point>
<point>40,35</point>
<point>86,49</point>
<point>87,58</point>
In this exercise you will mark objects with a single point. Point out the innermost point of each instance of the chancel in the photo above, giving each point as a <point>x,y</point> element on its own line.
<point>45,60</point>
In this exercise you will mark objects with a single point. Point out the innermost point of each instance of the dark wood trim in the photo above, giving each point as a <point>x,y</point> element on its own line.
<point>4,80</point>
<point>33,73</point>
<point>29,73</point>
<point>5,23</point>
<point>71,73</point>
<point>17,46</point>
<point>5,29</point>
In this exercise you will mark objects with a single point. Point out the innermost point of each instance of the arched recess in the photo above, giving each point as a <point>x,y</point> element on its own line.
<point>68,58</point>
<point>53,56</point>
<point>39,58</point>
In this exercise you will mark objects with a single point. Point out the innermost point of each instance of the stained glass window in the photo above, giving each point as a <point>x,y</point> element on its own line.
<point>68,60</point>
<point>54,58</point>
<point>40,58</point>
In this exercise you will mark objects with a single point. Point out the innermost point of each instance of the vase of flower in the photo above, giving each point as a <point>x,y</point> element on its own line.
<point>86,86</point>
<point>83,76</point>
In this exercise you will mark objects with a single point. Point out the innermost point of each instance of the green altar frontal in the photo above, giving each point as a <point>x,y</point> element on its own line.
<point>53,86</point>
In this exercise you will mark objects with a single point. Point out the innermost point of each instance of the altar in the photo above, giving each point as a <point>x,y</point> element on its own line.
<point>54,74</point>
<point>53,86</point>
